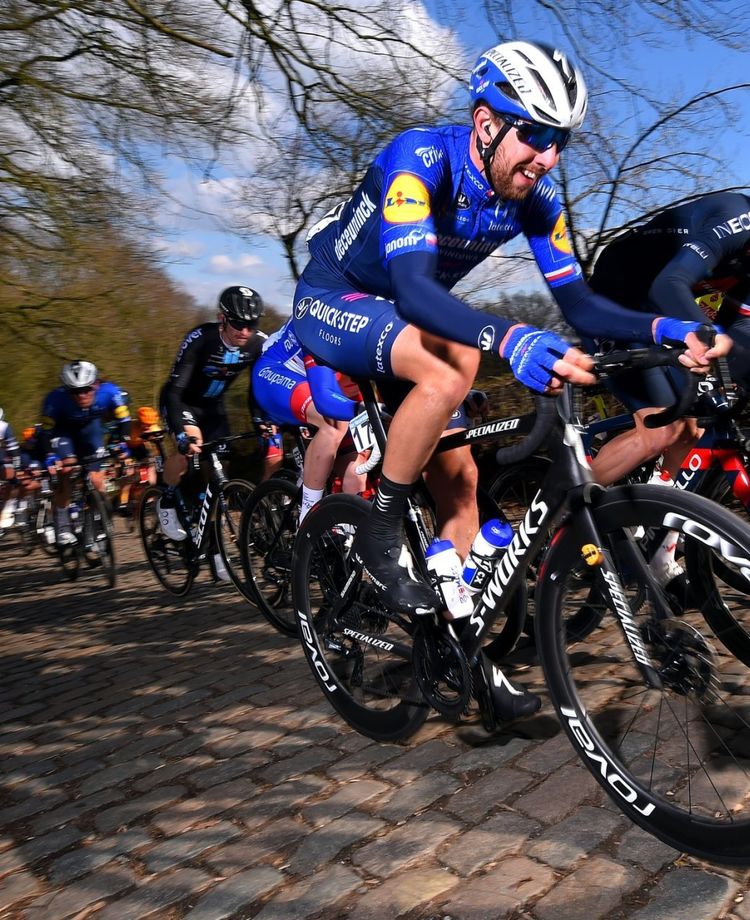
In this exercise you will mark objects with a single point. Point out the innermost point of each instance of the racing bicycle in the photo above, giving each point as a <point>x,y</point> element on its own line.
<point>654,701</point>
<point>209,512</point>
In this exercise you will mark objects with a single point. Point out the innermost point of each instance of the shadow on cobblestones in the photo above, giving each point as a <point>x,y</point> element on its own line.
<point>172,758</point>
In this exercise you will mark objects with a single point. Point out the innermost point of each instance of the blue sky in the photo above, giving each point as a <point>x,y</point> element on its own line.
<point>205,257</point>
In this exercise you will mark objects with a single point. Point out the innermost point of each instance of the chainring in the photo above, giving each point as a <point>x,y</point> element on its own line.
<point>441,669</point>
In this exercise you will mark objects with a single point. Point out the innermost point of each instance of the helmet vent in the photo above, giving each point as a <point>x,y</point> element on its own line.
<point>507,89</point>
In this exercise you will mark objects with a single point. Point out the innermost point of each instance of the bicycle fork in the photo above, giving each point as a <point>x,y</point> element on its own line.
<point>600,558</point>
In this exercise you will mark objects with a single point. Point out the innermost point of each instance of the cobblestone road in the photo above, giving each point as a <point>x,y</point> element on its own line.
<point>173,758</point>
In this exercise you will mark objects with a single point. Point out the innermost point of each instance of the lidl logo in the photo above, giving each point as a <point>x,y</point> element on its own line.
<point>559,236</point>
<point>406,201</point>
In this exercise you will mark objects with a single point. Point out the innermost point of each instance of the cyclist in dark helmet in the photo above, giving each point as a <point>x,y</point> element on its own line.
<point>210,358</point>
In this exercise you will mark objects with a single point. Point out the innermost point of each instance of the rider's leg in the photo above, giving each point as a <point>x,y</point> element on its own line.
<point>442,373</point>
<point>628,450</point>
<point>175,467</point>
<point>452,479</point>
<point>319,457</point>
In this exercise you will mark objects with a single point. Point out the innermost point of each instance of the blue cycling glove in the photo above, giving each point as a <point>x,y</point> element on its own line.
<point>532,353</point>
<point>670,331</point>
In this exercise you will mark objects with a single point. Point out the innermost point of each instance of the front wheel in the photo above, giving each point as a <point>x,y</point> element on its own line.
<point>97,536</point>
<point>359,651</point>
<point>269,526</point>
<point>675,759</point>
<point>170,560</point>
<point>233,497</point>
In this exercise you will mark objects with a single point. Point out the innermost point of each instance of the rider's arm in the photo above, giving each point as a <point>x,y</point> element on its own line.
<point>595,316</point>
<point>326,393</point>
<point>671,291</point>
<point>182,372</point>
<point>121,413</point>
<point>424,302</point>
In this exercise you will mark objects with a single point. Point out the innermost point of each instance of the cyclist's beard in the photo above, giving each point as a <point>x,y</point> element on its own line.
<point>503,173</point>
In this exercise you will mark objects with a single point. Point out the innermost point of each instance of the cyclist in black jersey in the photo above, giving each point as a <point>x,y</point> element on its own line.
<point>691,262</point>
<point>210,358</point>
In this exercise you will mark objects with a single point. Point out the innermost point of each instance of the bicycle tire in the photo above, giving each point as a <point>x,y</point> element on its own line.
<point>718,583</point>
<point>369,682</point>
<point>167,558</point>
<point>656,752</point>
<point>269,526</point>
<point>98,534</point>
<point>233,498</point>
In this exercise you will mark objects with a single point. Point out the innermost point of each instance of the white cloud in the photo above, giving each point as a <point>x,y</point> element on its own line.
<point>226,265</point>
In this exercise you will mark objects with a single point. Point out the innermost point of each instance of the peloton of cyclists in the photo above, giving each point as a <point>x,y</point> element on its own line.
<point>74,417</point>
<point>374,300</point>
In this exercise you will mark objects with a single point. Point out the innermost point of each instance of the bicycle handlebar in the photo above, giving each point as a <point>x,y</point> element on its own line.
<point>617,362</point>
<point>208,446</point>
<point>544,419</point>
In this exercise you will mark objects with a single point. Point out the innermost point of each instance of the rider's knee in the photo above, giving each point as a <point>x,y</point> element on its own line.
<point>657,440</point>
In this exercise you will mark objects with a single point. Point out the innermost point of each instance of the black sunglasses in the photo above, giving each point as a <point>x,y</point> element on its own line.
<point>77,391</point>
<point>540,137</point>
<point>240,324</point>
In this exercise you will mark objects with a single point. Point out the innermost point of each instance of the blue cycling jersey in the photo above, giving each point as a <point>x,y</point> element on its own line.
<point>69,420</point>
<point>285,379</point>
<point>424,194</point>
<point>71,429</point>
<point>422,218</point>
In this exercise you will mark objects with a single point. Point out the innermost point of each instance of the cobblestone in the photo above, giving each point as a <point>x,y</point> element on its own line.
<point>173,758</point>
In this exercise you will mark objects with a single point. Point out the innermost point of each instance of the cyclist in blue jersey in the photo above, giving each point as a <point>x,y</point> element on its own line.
<point>293,389</point>
<point>209,360</point>
<point>374,299</point>
<point>74,417</point>
<point>692,262</point>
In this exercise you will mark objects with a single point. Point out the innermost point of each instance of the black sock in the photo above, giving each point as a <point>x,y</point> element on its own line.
<point>169,496</point>
<point>386,517</point>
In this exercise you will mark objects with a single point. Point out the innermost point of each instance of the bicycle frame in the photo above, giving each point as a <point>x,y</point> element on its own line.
<point>198,534</point>
<point>567,489</point>
<point>720,446</point>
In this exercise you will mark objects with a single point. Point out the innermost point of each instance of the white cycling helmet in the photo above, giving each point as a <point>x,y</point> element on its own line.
<point>530,81</point>
<point>77,374</point>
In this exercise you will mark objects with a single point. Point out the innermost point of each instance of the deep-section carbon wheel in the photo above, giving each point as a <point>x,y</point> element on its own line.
<point>269,526</point>
<point>359,652</point>
<point>230,504</point>
<point>674,758</point>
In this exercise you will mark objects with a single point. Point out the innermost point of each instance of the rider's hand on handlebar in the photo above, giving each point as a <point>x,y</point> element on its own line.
<point>543,361</point>
<point>698,354</point>
<point>188,446</point>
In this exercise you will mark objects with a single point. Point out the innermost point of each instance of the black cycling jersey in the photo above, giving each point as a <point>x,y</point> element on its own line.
<point>204,368</point>
<point>688,250</point>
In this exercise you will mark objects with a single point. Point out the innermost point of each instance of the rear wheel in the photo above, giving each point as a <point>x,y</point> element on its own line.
<point>675,759</point>
<point>169,559</point>
<point>359,652</point>
<point>233,497</point>
<point>269,526</point>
